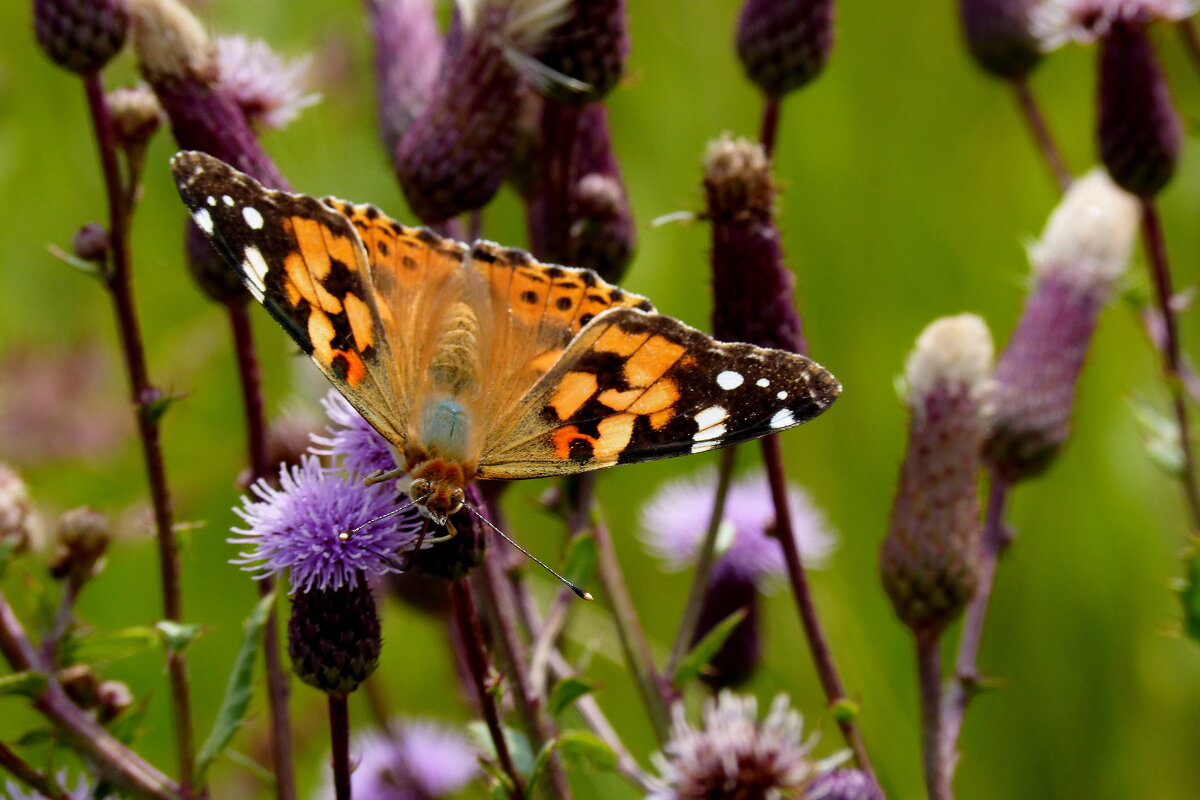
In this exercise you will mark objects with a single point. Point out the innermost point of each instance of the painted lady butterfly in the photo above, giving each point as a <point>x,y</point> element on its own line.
<point>476,361</point>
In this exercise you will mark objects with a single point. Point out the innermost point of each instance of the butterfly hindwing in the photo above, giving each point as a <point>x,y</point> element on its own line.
<point>306,264</point>
<point>636,386</point>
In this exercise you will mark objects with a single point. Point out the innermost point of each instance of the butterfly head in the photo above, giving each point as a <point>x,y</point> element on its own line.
<point>437,488</point>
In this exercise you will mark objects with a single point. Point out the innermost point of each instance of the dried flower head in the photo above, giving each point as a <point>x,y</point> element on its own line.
<point>334,638</point>
<point>784,44</point>
<point>269,90</point>
<point>1056,22</point>
<point>297,527</point>
<point>80,35</point>
<point>752,287</point>
<point>733,753</point>
<point>420,760</point>
<point>1082,253</point>
<point>1000,35</point>
<point>928,558</point>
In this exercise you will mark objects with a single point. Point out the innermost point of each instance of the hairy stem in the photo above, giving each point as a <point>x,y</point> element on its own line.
<point>119,281</point>
<point>467,620</point>
<point>818,645</point>
<point>1041,133</point>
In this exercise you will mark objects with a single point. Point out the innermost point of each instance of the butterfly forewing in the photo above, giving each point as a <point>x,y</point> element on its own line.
<point>304,262</point>
<point>636,386</point>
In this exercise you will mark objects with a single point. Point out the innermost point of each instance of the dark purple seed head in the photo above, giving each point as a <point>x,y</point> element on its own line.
<point>1000,36</point>
<point>80,35</point>
<point>334,637</point>
<point>784,44</point>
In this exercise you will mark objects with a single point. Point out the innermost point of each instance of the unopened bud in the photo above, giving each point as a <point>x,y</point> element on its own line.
<point>590,47</point>
<point>15,510</point>
<point>1000,35</point>
<point>112,698</point>
<point>928,558</point>
<point>334,638</point>
<point>784,44</point>
<point>80,35</point>
<point>136,115</point>
<point>91,242</point>
<point>82,538</point>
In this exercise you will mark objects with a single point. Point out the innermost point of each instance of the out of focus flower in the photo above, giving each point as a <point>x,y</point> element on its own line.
<point>408,51</point>
<point>928,558</point>
<point>82,790</point>
<point>752,287</point>
<point>734,754</point>
<point>1001,36</point>
<point>676,520</point>
<point>334,637</point>
<point>80,35</point>
<point>352,442</point>
<point>136,116</point>
<point>421,760</point>
<point>1083,251</point>
<point>270,90</point>
<point>297,527</point>
<point>82,537</point>
<point>1058,21</point>
<point>15,509</point>
<point>784,44</point>
<point>843,784</point>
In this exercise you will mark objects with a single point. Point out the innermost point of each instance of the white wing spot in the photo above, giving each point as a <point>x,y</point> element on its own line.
<point>203,220</point>
<point>253,218</point>
<point>715,432</point>
<point>729,380</point>
<point>703,447</point>
<point>710,416</point>
<point>763,382</point>
<point>781,395</point>
<point>227,200</point>
<point>212,201</point>
<point>256,268</point>
<point>783,418</point>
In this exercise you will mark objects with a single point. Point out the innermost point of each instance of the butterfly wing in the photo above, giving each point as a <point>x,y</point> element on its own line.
<point>635,386</point>
<point>307,265</point>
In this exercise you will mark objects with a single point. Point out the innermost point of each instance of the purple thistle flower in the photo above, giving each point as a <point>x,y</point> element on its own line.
<point>269,90</point>
<point>1083,252</point>
<point>81,35</point>
<point>733,754</point>
<point>1000,35</point>
<point>843,784</point>
<point>408,49</point>
<point>752,287</point>
<point>784,44</point>
<point>928,558</point>
<point>676,520</point>
<point>422,760</point>
<point>177,59</point>
<point>677,516</point>
<point>296,527</point>
<point>352,442</point>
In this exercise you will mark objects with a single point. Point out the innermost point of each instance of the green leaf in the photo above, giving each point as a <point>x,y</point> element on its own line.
<point>580,563</point>
<point>565,693</point>
<point>155,409</point>
<point>176,635</point>
<point>699,656</point>
<point>1160,436</point>
<point>237,690</point>
<point>587,746</point>
<point>1189,595</point>
<point>7,548</point>
<point>89,268</point>
<point>98,648</point>
<point>35,737</point>
<point>518,745</point>
<point>24,684</point>
<point>539,764</point>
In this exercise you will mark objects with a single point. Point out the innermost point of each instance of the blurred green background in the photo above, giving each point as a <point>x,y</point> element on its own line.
<point>910,188</point>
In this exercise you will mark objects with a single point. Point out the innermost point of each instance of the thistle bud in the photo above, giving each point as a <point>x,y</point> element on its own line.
<point>80,35</point>
<point>1000,35</point>
<point>928,558</point>
<point>1082,253</point>
<point>590,47</point>
<point>15,510</point>
<point>752,288</point>
<point>1140,131</point>
<point>136,116</point>
<point>784,44</point>
<point>334,638</point>
<point>82,537</point>
<point>90,242</point>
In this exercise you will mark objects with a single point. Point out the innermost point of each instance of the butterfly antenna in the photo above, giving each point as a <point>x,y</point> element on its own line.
<point>579,591</point>
<point>344,535</point>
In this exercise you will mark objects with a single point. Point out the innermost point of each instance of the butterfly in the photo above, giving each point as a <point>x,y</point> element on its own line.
<point>477,361</point>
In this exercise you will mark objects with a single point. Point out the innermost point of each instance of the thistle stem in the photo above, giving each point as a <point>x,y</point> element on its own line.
<point>769,129</point>
<point>339,740</point>
<point>818,645</point>
<point>250,380</point>
<point>1041,133</point>
<point>704,562</point>
<point>119,281</point>
<point>929,673</point>
<point>1160,271</point>
<point>467,620</point>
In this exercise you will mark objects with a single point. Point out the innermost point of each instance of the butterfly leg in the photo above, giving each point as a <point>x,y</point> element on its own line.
<point>380,475</point>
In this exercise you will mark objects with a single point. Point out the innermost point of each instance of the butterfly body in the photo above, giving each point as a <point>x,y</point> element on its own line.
<point>476,361</point>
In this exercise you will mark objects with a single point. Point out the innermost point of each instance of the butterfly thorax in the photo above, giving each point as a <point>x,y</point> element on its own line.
<point>439,450</point>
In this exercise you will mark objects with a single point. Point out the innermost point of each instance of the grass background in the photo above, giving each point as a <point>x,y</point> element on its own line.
<point>910,188</point>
